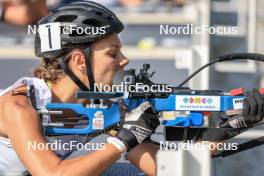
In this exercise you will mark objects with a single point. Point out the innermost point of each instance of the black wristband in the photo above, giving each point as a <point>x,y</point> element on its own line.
<point>127,137</point>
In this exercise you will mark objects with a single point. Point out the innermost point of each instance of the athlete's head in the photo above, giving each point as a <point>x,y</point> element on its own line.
<point>79,39</point>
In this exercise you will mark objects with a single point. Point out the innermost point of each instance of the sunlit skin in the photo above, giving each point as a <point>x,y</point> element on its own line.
<point>21,123</point>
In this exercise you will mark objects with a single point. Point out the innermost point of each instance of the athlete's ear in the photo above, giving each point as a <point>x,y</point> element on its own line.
<point>77,61</point>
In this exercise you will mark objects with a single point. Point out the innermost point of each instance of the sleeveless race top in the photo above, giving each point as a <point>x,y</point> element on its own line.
<point>10,164</point>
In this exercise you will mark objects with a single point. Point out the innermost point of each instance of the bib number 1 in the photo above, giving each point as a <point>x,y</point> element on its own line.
<point>50,37</point>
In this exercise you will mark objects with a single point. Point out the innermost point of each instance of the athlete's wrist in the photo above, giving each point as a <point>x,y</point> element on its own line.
<point>119,144</point>
<point>128,138</point>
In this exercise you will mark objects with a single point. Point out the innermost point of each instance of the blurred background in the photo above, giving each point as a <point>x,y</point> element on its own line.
<point>173,57</point>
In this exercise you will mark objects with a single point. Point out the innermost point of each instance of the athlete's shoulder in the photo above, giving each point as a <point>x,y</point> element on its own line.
<point>17,106</point>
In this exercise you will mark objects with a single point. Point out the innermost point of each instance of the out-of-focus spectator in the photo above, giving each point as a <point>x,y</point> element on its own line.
<point>130,3</point>
<point>21,12</point>
<point>178,3</point>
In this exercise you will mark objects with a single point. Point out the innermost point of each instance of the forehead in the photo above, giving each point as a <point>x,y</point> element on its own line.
<point>111,41</point>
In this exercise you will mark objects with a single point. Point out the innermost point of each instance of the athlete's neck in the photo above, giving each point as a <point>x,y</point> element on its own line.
<point>64,91</point>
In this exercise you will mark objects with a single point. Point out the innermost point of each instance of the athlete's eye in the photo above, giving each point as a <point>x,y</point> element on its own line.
<point>113,54</point>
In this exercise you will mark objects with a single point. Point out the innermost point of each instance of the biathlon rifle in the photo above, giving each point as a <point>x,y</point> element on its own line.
<point>183,111</point>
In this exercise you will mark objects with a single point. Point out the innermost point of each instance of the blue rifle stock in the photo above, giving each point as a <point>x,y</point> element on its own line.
<point>109,116</point>
<point>193,103</point>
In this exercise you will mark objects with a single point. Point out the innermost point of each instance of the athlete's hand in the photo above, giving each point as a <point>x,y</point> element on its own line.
<point>138,125</point>
<point>253,108</point>
<point>252,112</point>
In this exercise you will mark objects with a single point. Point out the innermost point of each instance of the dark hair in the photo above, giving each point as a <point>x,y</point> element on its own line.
<point>49,70</point>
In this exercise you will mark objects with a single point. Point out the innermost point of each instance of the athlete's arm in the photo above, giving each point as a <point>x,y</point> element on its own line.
<point>23,12</point>
<point>143,156</point>
<point>23,126</point>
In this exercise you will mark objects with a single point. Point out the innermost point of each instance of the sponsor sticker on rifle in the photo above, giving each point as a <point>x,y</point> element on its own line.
<point>238,103</point>
<point>197,103</point>
<point>98,121</point>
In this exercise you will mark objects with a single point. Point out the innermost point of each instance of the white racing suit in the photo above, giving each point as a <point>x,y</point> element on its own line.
<point>10,164</point>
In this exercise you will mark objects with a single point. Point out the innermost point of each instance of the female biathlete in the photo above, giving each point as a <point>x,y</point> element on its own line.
<point>71,61</point>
